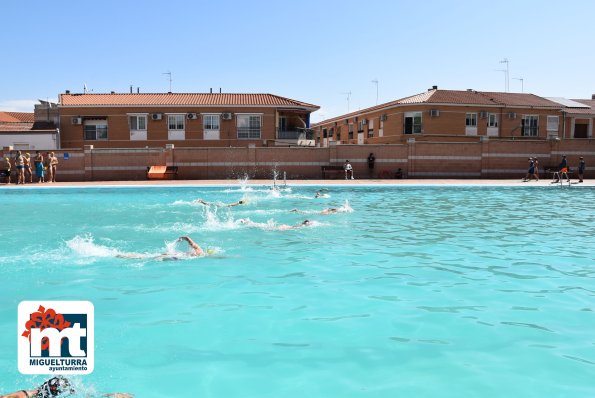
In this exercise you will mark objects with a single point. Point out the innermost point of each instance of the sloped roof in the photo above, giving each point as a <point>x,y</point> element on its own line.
<point>181,99</point>
<point>16,117</point>
<point>460,97</point>
<point>589,110</point>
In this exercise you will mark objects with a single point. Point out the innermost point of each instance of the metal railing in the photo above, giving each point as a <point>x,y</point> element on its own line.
<point>295,134</point>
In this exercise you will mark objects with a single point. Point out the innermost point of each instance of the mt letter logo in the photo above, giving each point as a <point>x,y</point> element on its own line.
<point>55,337</point>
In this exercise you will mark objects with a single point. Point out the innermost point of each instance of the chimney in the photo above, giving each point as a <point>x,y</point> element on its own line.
<point>67,91</point>
<point>112,92</point>
<point>593,96</point>
<point>138,90</point>
<point>211,90</point>
<point>469,89</point>
<point>434,87</point>
<point>219,90</point>
<point>131,89</point>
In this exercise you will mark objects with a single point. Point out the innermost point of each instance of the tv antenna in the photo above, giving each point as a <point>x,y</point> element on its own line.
<point>375,81</point>
<point>522,83</point>
<point>169,78</point>
<point>348,94</point>
<point>505,61</point>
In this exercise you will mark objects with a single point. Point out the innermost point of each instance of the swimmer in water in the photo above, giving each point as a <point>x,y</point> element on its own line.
<point>330,210</point>
<point>321,193</point>
<point>195,252</point>
<point>202,202</point>
<point>285,227</point>
<point>56,387</point>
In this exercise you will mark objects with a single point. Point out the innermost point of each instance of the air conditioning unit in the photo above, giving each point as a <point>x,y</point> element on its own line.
<point>226,116</point>
<point>383,117</point>
<point>77,120</point>
<point>157,116</point>
<point>483,114</point>
<point>511,115</point>
<point>434,112</point>
<point>191,116</point>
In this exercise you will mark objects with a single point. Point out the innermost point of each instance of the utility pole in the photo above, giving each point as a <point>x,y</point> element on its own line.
<point>169,74</point>
<point>522,80</point>
<point>505,61</point>
<point>375,81</point>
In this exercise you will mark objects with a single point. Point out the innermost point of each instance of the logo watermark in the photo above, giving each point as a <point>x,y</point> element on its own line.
<point>55,337</point>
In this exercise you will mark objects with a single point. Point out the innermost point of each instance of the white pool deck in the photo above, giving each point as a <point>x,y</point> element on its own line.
<point>356,182</point>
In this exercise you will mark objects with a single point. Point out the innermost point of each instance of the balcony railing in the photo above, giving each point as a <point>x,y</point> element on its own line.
<point>295,134</point>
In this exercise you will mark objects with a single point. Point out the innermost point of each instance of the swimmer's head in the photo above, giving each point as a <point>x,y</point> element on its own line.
<point>241,202</point>
<point>307,222</point>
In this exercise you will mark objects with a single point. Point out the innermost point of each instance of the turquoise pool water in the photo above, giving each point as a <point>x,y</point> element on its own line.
<point>407,291</point>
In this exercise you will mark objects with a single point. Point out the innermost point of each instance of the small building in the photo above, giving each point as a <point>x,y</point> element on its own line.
<point>129,120</point>
<point>28,130</point>
<point>460,116</point>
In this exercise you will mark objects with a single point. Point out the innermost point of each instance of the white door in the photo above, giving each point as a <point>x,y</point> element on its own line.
<point>360,138</point>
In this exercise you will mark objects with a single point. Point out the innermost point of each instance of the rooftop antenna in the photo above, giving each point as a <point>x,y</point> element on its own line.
<point>522,84</point>
<point>375,81</point>
<point>505,85</point>
<point>348,94</point>
<point>505,61</point>
<point>84,88</point>
<point>169,74</point>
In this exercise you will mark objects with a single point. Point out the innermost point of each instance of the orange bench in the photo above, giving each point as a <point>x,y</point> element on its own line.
<point>162,172</point>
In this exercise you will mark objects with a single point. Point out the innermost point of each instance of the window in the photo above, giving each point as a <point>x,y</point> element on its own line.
<point>360,126</point>
<point>324,133</point>
<point>175,122</point>
<point>138,122</point>
<point>210,122</point>
<point>552,123</point>
<point>371,128</point>
<point>331,132</point>
<point>471,120</point>
<point>413,123</point>
<point>95,130</point>
<point>350,132</point>
<point>529,124</point>
<point>249,126</point>
<point>492,120</point>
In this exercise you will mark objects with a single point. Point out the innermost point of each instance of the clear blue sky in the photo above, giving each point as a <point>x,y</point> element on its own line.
<point>312,51</point>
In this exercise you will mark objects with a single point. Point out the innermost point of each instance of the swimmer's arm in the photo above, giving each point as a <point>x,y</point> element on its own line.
<point>193,245</point>
<point>21,394</point>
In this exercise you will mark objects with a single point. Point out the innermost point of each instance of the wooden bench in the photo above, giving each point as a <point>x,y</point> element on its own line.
<point>332,170</point>
<point>162,172</point>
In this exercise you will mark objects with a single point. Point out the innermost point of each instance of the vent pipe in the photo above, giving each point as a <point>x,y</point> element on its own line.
<point>131,89</point>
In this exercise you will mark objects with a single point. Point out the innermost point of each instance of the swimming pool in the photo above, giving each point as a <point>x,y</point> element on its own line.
<point>406,291</point>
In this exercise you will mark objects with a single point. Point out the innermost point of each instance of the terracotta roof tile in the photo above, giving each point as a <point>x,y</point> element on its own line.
<point>458,97</point>
<point>16,117</point>
<point>192,99</point>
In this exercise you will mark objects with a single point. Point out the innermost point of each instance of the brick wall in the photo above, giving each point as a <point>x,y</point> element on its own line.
<point>487,158</point>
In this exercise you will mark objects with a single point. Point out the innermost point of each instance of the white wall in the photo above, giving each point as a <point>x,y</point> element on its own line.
<point>39,141</point>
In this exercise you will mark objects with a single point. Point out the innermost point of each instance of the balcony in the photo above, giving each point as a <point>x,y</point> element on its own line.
<point>295,134</point>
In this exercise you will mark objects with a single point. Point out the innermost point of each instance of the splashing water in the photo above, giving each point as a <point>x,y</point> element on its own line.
<point>85,246</point>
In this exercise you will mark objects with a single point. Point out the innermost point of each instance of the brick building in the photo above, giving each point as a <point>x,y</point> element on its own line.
<point>184,119</point>
<point>461,116</point>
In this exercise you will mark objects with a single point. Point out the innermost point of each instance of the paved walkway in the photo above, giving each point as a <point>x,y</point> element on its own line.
<point>507,183</point>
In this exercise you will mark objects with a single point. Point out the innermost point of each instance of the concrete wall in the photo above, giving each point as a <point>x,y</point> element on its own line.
<point>483,159</point>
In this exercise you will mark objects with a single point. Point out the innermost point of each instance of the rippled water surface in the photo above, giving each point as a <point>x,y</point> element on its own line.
<point>405,291</point>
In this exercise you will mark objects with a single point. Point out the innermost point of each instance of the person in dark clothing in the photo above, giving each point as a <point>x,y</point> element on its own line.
<point>563,169</point>
<point>371,160</point>
<point>581,169</point>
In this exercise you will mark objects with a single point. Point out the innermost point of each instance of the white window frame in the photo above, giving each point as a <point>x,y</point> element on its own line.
<point>413,115</point>
<point>176,133</point>
<point>251,131</point>
<point>471,117</point>
<point>492,120</point>
<point>553,123</point>
<point>179,116</point>
<point>524,126</point>
<point>96,123</point>
<point>138,134</point>
<point>211,116</point>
